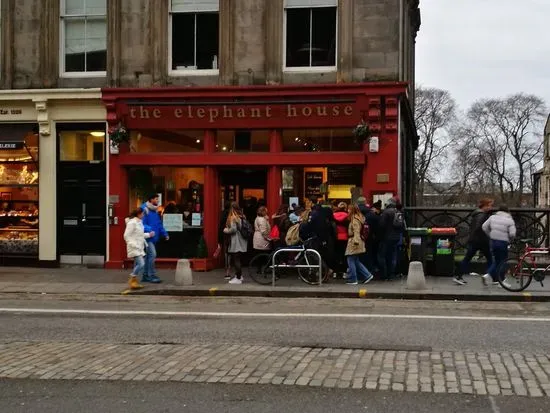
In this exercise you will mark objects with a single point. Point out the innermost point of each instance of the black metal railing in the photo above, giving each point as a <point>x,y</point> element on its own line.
<point>531,223</point>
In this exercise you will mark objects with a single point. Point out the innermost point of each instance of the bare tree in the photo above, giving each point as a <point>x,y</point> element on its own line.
<point>435,110</point>
<point>500,145</point>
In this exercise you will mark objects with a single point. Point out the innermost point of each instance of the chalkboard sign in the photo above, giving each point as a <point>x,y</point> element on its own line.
<point>345,175</point>
<point>313,182</point>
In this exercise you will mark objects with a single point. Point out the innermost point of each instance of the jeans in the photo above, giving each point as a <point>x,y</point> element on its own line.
<point>500,254</point>
<point>356,268</point>
<point>139,265</point>
<point>150,256</point>
<point>386,252</point>
<point>472,250</point>
<point>236,261</point>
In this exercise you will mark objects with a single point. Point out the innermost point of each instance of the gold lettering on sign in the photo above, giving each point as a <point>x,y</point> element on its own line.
<point>227,112</point>
<point>178,113</point>
<point>200,113</point>
<point>306,111</point>
<point>241,113</point>
<point>143,113</point>
<point>291,111</point>
<point>348,110</point>
<point>156,113</point>
<point>213,114</point>
<point>255,113</point>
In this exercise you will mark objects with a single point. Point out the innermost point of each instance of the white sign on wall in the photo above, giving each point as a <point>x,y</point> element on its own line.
<point>173,222</point>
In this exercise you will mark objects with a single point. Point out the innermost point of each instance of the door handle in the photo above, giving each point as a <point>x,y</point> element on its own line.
<point>83,212</point>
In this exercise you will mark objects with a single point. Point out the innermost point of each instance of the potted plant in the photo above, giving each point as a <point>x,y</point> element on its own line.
<point>362,131</point>
<point>202,263</point>
<point>117,135</point>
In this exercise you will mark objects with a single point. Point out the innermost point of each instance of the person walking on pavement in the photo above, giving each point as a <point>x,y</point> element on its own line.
<point>356,247</point>
<point>238,244</point>
<point>477,240</point>
<point>153,220</point>
<point>135,237</point>
<point>501,229</point>
<point>392,227</point>
<point>223,241</point>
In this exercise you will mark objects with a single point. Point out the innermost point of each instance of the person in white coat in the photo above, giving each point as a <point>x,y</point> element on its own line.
<point>501,229</point>
<point>135,237</point>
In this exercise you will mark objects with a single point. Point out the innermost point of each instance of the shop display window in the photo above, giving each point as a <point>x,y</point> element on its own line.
<point>328,184</point>
<point>242,140</point>
<point>181,196</point>
<point>320,140</point>
<point>167,140</point>
<point>19,191</point>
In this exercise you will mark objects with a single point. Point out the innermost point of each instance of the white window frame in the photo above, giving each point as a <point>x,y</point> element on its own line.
<point>309,69</point>
<point>189,72</point>
<point>62,15</point>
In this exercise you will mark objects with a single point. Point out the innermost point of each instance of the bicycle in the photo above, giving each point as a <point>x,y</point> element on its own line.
<point>521,271</point>
<point>260,268</point>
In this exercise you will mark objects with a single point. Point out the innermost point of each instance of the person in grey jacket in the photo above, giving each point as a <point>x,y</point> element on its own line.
<point>501,229</point>
<point>237,244</point>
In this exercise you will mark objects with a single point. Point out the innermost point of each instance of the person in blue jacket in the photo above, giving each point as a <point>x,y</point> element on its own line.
<point>153,221</point>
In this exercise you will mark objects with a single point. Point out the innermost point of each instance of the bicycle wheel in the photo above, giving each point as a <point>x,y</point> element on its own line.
<point>311,275</point>
<point>515,276</point>
<point>259,269</point>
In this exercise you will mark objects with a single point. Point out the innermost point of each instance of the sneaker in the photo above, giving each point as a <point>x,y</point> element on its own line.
<point>154,279</point>
<point>496,283</point>
<point>368,280</point>
<point>506,284</point>
<point>227,277</point>
<point>235,280</point>
<point>486,279</point>
<point>351,282</point>
<point>459,280</point>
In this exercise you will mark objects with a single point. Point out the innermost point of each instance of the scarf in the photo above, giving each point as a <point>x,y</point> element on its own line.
<point>151,207</point>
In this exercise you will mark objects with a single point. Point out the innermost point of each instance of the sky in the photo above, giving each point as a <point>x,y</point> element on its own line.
<point>484,48</point>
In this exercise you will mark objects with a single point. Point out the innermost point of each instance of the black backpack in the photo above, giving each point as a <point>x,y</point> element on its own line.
<point>245,228</point>
<point>399,221</point>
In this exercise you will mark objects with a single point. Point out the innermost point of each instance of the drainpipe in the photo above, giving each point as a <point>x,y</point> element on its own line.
<point>401,42</point>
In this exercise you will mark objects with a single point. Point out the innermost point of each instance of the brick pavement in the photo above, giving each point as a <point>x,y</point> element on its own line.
<point>433,372</point>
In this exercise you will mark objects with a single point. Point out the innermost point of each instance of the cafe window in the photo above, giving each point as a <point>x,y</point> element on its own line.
<point>194,35</point>
<point>84,36</point>
<point>310,33</point>
<point>242,141</point>
<point>331,184</point>
<point>19,190</point>
<point>320,140</point>
<point>181,204</point>
<point>167,140</point>
<point>84,145</point>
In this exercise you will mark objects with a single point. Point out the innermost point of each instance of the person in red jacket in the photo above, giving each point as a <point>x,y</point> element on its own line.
<point>342,222</point>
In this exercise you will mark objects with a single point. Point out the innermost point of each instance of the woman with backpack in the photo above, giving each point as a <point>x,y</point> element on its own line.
<point>238,244</point>
<point>355,248</point>
<point>262,231</point>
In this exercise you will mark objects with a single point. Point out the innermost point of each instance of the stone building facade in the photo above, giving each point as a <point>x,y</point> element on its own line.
<point>375,41</point>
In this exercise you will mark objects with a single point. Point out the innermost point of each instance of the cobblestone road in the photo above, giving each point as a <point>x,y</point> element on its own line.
<point>439,372</point>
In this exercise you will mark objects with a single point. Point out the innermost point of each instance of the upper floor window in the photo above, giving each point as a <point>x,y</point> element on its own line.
<point>83,37</point>
<point>194,35</point>
<point>310,34</point>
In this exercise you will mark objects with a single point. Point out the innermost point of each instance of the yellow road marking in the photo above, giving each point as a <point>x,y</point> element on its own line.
<point>213,291</point>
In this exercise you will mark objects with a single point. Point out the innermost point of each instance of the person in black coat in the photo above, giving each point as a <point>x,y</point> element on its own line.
<point>223,239</point>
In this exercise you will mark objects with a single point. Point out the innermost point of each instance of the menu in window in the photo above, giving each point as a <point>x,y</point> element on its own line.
<point>313,181</point>
<point>173,222</point>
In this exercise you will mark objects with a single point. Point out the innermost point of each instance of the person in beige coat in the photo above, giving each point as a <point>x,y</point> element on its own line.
<point>262,229</point>
<point>355,248</point>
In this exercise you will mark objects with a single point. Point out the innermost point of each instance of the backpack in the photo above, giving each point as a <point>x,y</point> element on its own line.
<point>275,233</point>
<point>293,235</point>
<point>399,221</point>
<point>245,228</point>
<point>365,231</point>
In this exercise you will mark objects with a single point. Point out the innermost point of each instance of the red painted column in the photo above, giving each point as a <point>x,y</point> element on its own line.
<point>211,199</point>
<point>274,174</point>
<point>118,185</point>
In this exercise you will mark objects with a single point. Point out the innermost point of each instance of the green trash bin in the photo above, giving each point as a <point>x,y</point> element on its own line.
<point>444,251</point>
<point>418,241</point>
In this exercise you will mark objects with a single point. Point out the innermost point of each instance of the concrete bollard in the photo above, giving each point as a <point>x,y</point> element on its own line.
<point>416,279</point>
<point>184,276</point>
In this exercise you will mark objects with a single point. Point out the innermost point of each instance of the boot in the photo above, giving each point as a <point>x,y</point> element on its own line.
<point>133,283</point>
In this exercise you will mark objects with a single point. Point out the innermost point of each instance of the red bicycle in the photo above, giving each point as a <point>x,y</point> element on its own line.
<point>517,273</point>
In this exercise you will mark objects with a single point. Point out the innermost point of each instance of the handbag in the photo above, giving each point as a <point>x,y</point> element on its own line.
<point>275,233</point>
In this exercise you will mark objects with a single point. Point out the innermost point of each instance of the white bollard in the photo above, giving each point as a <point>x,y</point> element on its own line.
<point>416,279</point>
<point>184,276</point>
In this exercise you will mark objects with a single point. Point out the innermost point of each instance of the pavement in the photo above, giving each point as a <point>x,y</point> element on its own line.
<point>29,396</point>
<point>80,280</point>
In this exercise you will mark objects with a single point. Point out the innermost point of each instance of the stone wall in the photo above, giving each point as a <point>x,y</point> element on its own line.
<point>375,42</point>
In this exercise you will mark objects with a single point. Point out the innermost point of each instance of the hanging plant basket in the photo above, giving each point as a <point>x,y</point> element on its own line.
<point>362,131</point>
<point>118,134</point>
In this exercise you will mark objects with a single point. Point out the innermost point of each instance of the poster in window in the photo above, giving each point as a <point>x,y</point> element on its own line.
<point>288,179</point>
<point>313,181</point>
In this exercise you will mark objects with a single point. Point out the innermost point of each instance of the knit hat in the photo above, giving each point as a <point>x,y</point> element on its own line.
<point>361,200</point>
<point>342,205</point>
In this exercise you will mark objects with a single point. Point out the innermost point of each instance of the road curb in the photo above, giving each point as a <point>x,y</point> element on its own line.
<point>360,294</point>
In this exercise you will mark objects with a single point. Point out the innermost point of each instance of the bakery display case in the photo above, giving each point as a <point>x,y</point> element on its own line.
<point>19,197</point>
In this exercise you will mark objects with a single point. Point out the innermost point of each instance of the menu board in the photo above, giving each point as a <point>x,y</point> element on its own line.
<point>172,222</point>
<point>313,182</point>
<point>345,175</point>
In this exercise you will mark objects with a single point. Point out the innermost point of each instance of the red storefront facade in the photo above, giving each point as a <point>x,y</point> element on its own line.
<point>208,111</point>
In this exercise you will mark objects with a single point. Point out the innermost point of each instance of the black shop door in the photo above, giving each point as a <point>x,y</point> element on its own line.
<point>82,213</point>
